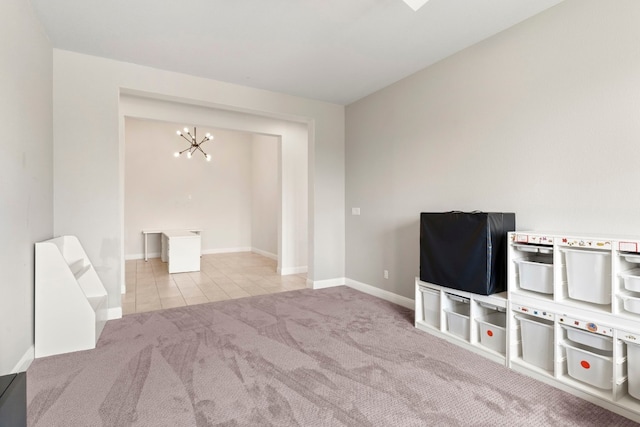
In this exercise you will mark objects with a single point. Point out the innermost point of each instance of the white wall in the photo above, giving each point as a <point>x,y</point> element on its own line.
<point>294,138</point>
<point>164,192</point>
<point>89,166</point>
<point>541,120</point>
<point>265,196</point>
<point>26,213</point>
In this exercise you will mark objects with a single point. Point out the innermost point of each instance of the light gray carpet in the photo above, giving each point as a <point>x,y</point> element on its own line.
<point>332,357</point>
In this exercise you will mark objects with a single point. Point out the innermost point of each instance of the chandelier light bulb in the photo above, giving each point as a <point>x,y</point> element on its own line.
<point>176,154</point>
<point>186,130</point>
<point>208,156</point>
<point>179,133</point>
<point>189,155</point>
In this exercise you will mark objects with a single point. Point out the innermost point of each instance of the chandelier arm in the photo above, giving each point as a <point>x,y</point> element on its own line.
<point>184,150</point>
<point>190,141</point>
<point>205,154</point>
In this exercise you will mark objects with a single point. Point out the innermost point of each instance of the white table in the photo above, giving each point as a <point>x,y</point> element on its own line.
<point>156,231</point>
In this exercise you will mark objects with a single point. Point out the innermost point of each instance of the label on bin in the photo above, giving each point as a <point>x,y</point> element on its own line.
<point>628,246</point>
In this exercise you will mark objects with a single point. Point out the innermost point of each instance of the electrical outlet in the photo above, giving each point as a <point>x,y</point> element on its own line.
<point>386,274</point>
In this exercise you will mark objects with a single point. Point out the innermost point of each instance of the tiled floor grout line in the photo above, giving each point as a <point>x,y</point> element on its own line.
<point>221,277</point>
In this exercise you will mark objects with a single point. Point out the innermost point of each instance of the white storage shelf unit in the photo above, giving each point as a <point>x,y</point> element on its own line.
<point>576,288</point>
<point>572,319</point>
<point>587,356</point>
<point>596,274</point>
<point>476,322</point>
<point>70,300</point>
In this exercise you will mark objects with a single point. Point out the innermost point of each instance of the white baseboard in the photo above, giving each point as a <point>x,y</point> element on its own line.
<point>25,361</point>
<point>133,257</point>
<point>114,313</point>
<point>292,270</point>
<point>328,283</point>
<point>130,257</point>
<point>226,250</point>
<point>381,293</point>
<point>363,287</point>
<point>264,253</point>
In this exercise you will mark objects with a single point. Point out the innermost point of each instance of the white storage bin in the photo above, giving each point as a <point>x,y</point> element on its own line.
<point>590,365</point>
<point>535,276</point>
<point>635,258</point>
<point>492,331</point>
<point>633,369</point>
<point>589,275</point>
<point>632,280</point>
<point>631,303</point>
<point>431,306</point>
<point>537,342</point>
<point>458,320</point>
<point>588,338</point>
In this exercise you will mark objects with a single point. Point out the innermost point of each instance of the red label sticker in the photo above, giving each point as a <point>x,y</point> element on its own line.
<point>585,364</point>
<point>490,332</point>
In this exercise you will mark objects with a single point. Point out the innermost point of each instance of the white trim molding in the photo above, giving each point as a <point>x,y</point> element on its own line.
<point>133,257</point>
<point>264,253</point>
<point>114,313</point>
<point>381,293</point>
<point>363,287</point>
<point>226,250</point>
<point>150,255</point>
<point>328,283</point>
<point>25,361</point>
<point>292,270</point>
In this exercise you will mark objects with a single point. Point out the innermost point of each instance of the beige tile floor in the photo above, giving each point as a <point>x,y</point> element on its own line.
<point>221,277</point>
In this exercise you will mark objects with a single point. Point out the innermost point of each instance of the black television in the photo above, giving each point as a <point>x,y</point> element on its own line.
<point>466,251</point>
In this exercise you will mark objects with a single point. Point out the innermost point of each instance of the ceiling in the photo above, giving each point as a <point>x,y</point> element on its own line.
<point>331,50</point>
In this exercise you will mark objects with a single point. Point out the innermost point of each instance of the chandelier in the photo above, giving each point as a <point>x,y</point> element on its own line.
<point>194,145</point>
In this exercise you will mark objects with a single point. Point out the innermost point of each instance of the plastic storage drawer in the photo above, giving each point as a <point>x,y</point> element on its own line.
<point>492,331</point>
<point>589,275</point>
<point>633,369</point>
<point>537,342</point>
<point>631,304</point>
<point>588,338</point>
<point>590,365</point>
<point>631,280</point>
<point>431,306</point>
<point>458,320</point>
<point>535,276</point>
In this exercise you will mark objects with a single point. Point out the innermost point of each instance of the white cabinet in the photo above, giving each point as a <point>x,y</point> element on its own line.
<point>70,301</point>
<point>181,250</point>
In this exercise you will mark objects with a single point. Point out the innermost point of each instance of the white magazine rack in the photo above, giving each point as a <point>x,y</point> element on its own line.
<point>70,300</point>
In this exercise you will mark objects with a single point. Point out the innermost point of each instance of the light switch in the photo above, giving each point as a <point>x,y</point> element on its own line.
<point>355,211</point>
